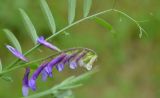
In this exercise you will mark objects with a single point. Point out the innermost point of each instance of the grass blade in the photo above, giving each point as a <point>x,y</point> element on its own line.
<point>86,7</point>
<point>0,66</point>
<point>13,39</point>
<point>29,26</point>
<point>49,16</point>
<point>103,23</point>
<point>71,10</point>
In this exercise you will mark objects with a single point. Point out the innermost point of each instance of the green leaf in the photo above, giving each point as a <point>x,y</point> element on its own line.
<point>68,79</point>
<point>71,10</point>
<point>49,16</point>
<point>103,23</point>
<point>64,94</point>
<point>29,26</point>
<point>71,86</point>
<point>13,39</point>
<point>0,66</point>
<point>83,77</point>
<point>86,7</point>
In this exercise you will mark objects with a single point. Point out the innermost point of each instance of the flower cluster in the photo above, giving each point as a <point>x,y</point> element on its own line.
<point>72,57</point>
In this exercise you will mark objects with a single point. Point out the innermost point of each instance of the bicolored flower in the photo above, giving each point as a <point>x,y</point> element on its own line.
<point>25,86</point>
<point>60,65</point>
<point>53,62</point>
<point>16,53</point>
<point>44,74</point>
<point>73,63</point>
<point>66,59</point>
<point>42,41</point>
<point>32,80</point>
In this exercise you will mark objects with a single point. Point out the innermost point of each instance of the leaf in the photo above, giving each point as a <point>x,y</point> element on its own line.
<point>86,7</point>
<point>70,86</point>
<point>29,26</point>
<point>71,10</point>
<point>103,23</point>
<point>13,39</point>
<point>68,79</point>
<point>83,76</point>
<point>64,94</point>
<point>0,66</point>
<point>49,16</point>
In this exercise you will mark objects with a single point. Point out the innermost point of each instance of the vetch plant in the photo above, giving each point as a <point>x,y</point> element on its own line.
<point>72,57</point>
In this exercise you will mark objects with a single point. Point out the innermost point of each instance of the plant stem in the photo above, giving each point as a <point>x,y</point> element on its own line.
<point>59,32</point>
<point>77,22</point>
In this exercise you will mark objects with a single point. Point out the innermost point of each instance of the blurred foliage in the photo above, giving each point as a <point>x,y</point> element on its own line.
<point>129,66</point>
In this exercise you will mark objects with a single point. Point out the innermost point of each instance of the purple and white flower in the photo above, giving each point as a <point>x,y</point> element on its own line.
<point>53,62</point>
<point>16,53</point>
<point>42,41</point>
<point>25,86</point>
<point>32,80</point>
<point>73,63</point>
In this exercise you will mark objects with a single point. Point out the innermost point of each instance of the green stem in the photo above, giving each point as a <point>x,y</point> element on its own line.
<point>59,32</point>
<point>77,22</point>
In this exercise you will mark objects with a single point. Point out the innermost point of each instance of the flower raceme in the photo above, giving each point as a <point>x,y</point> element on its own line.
<point>59,62</point>
<point>71,57</point>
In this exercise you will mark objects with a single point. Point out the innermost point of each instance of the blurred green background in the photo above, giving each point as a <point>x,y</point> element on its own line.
<point>129,66</point>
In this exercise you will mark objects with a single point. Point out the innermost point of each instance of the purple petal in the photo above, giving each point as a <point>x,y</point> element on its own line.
<point>16,53</point>
<point>81,55</point>
<point>60,67</point>
<point>25,82</point>
<point>32,84</point>
<point>73,65</point>
<point>73,62</point>
<point>44,75</point>
<point>42,41</point>
<point>72,56</point>
<point>49,71</point>
<point>56,60</point>
<point>32,81</point>
<point>25,90</point>
<point>25,78</point>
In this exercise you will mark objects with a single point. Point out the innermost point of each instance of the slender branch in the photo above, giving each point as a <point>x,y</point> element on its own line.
<point>59,32</point>
<point>77,22</point>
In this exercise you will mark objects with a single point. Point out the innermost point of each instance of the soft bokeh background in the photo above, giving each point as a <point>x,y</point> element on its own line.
<point>129,66</point>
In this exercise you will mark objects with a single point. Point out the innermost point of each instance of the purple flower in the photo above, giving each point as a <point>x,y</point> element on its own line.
<point>17,53</point>
<point>42,41</point>
<point>44,74</point>
<point>53,62</point>
<point>74,61</point>
<point>60,65</point>
<point>73,65</point>
<point>32,81</point>
<point>25,86</point>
